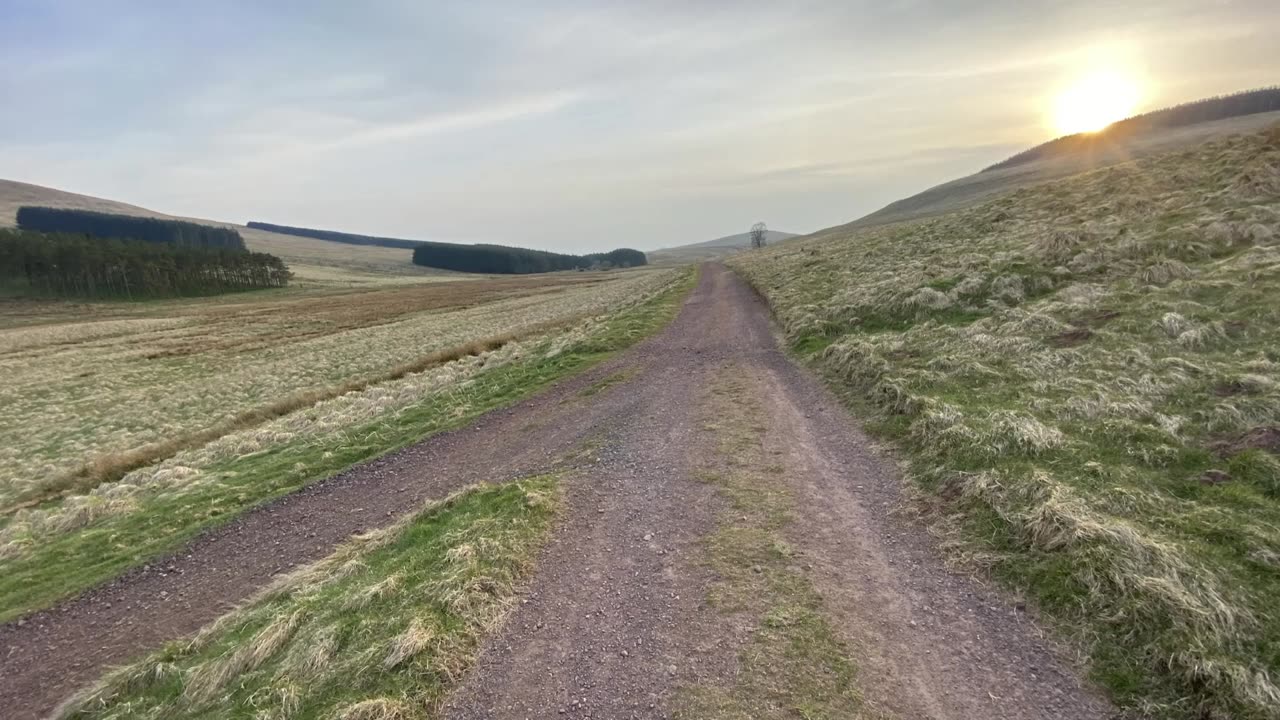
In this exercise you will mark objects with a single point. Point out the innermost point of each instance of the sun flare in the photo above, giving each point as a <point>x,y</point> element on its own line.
<point>1094,102</point>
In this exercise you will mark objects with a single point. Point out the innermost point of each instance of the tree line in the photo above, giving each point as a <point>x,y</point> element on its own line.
<point>82,266</point>
<point>622,258</point>
<point>1249,102</point>
<point>500,259</point>
<point>111,225</point>
<point>494,259</point>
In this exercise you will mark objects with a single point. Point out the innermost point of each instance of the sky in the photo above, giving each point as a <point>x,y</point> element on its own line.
<point>572,127</point>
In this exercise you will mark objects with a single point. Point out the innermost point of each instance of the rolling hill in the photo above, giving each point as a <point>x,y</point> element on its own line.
<point>1082,377</point>
<point>310,259</point>
<point>1132,139</point>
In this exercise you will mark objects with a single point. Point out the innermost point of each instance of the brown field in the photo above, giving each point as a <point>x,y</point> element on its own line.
<point>239,326</point>
<point>94,390</point>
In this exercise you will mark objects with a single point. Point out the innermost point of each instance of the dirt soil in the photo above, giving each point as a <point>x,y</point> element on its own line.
<point>615,619</point>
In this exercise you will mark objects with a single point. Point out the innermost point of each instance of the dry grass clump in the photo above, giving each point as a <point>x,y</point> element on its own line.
<point>297,649</point>
<point>1088,370</point>
<point>376,709</point>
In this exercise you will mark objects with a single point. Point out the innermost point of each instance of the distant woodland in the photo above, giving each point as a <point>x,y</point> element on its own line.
<point>130,227</point>
<point>502,259</point>
<point>117,256</point>
<point>1216,108</point>
<point>497,259</point>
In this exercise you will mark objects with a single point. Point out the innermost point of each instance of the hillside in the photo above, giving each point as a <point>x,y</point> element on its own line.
<point>1222,107</point>
<point>1083,378</point>
<point>711,249</point>
<point>311,260</point>
<point>473,258</point>
<point>970,190</point>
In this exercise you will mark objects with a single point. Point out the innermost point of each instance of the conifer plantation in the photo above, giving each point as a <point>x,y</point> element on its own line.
<point>501,259</point>
<point>127,227</point>
<point>84,266</point>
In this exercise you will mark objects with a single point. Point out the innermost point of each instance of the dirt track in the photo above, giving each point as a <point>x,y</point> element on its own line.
<point>615,618</point>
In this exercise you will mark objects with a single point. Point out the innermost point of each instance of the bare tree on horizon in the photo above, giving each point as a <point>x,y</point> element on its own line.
<point>758,233</point>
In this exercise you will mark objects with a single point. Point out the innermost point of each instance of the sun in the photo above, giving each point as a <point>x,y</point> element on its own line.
<point>1094,102</point>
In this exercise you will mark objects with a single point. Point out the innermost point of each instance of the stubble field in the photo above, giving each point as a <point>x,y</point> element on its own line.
<point>130,426</point>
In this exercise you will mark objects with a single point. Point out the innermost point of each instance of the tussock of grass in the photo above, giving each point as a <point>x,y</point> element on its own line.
<point>49,553</point>
<point>794,665</point>
<point>297,651</point>
<point>1092,402</point>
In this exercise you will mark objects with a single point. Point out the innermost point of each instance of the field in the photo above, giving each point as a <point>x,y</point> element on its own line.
<point>142,423</point>
<point>1084,379</point>
<point>1075,360</point>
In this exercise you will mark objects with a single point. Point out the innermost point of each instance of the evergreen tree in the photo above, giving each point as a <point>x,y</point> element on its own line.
<point>83,266</point>
<point>109,225</point>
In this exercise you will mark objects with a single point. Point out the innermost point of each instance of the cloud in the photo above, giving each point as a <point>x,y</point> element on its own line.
<point>454,121</point>
<point>568,125</point>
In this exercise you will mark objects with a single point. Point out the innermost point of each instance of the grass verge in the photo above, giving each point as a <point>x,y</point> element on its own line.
<point>382,628</point>
<point>794,665</point>
<point>1083,376</point>
<point>50,565</point>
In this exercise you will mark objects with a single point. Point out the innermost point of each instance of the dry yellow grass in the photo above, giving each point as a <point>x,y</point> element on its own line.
<point>88,401</point>
<point>973,189</point>
<point>56,549</point>
<point>431,586</point>
<point>1087,373</point>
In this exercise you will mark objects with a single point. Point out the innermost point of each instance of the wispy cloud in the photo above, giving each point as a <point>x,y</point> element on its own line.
<point>452,121</point>
<point>562,124</point>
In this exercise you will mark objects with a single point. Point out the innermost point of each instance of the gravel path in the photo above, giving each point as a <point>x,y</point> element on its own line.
<point>615,619</point>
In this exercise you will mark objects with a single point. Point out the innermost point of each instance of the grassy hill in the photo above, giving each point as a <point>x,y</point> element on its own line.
<point>311,260</point>
<point>1084,378</point>
<point>1222,107</point>
<point>1107,150</point>
<point>710,249</point>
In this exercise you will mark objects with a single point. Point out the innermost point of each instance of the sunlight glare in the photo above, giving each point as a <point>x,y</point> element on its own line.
<point>1094,102</point>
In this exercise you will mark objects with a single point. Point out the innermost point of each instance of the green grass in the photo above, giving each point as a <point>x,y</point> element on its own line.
<point>1083,375</point>
<point>382,628</point>
<point>59,565</point>
<point>794,665</point>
